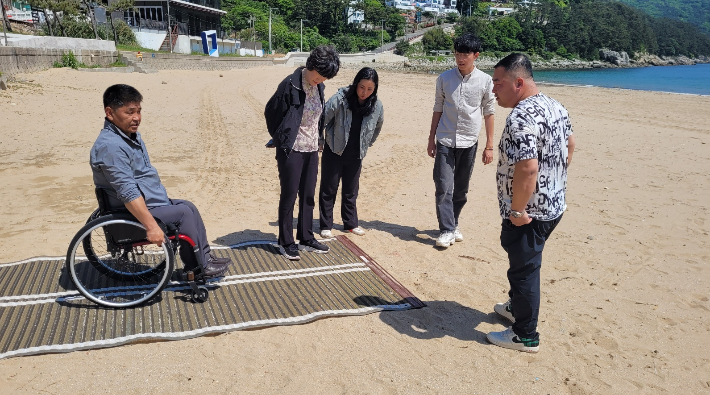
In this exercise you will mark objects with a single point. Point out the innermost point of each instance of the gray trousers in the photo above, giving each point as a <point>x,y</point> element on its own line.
<point>187,218</point>
<point>452,173</point>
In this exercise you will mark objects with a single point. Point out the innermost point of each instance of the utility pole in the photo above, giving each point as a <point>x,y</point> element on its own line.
<point>253,38</point>
<point>382,36</point>
<point>270,51</point>
<point>4,30</point>
<point>170,34</point>
<point>301,48</point>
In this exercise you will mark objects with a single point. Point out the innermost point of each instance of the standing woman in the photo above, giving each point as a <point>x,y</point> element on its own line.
<point>294,119</point>
<point>353,119</point>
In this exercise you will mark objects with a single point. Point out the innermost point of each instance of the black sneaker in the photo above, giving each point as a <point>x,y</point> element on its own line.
<point>290,251</point>
<point>315,246</point>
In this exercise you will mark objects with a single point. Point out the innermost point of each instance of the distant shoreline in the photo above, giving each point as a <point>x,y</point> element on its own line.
<point>487,63</point>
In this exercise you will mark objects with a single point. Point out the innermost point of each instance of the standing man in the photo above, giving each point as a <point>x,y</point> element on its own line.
<point>463,95</point>
<point>534,153</point>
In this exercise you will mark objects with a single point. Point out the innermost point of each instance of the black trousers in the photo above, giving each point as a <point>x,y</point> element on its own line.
<point>297,174</point>
<point>524,245</point>
<point>187,218</point>
<point>333,169</point>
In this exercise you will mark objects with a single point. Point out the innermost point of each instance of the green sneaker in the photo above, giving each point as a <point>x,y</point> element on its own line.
<point>508,339</point>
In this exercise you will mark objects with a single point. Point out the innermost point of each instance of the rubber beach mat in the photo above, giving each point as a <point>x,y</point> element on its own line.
<point>41,312</point>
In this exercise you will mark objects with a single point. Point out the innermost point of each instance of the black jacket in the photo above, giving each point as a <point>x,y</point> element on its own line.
<point>284,111</point>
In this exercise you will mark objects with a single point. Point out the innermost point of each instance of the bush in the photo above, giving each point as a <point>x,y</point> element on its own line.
<point>68,60</point>
<point>402,47</point>
<point>124,33</point>
<point>436,39</point>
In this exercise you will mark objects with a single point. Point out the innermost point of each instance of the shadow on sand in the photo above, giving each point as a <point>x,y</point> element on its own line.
<point>437,320</point>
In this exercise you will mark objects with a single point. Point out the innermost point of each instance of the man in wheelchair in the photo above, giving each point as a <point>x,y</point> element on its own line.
<point>121,167</point>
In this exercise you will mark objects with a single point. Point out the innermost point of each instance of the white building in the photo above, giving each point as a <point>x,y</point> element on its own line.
<point>355,16</point>
<point>439,7</point>
<point>401,4</point>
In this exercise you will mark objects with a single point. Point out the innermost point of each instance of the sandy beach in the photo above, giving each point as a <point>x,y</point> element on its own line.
<point>625,278</point>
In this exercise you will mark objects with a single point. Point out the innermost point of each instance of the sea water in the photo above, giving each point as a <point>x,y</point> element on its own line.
<point>678,79</point>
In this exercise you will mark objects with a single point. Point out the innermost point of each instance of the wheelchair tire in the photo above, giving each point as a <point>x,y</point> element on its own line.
<point>120,268</point>
<point>201,295</point>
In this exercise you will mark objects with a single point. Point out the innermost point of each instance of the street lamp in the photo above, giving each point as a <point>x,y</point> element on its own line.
<point>382,38</point>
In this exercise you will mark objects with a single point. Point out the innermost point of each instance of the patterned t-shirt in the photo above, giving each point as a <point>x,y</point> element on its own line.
<point>307,137</point>
<point>537,128</point>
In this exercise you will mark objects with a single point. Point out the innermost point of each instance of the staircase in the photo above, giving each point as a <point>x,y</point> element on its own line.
<point>130,59</point>
<point>166,45</point>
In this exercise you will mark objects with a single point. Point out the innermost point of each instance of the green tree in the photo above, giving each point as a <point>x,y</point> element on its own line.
<point>402,47</point>
<point>119,6</point>
<point>436,39</point>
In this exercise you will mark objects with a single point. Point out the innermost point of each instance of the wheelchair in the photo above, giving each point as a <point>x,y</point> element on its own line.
<point>112,263</point>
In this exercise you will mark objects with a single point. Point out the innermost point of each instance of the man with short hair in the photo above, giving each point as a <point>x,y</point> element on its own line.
<point>121,167</point>
<point>534,153</point>
<point>463,95</point>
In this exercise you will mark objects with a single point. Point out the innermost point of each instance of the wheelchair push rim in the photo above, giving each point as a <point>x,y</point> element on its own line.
<point>115,285</point>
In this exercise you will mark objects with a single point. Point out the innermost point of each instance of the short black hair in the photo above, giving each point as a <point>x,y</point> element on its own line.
<point>324,60</point>
<point>119,95</point>
<point>517,64</point>
<point>467,43</point>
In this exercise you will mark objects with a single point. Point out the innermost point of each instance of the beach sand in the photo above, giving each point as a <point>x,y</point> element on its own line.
<point>625,279</point>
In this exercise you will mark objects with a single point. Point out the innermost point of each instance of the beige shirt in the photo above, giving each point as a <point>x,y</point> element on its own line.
<point>307,137</point>
<point>463,100</point>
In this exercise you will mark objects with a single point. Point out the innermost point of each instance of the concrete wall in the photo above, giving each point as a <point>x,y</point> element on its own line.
<point>15,60</point>
<point>251,52</point>
<point>63,43</point>
<point>297,59</point>
<point>164,61</point>
<point>182,45</point>
<point>228,46</point>
<point>152,40</point>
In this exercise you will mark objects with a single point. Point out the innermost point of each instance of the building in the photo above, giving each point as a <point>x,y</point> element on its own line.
<point>188,18</point>
<point>401,4</point>
<point>499,11</point>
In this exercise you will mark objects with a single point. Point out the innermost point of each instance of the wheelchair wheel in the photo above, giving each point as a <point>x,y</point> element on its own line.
<point>120,268</point>
<point>107,266</point>
<point>201,295</point>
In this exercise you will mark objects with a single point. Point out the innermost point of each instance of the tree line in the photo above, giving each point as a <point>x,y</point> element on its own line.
<point>581,27</point>
<point>76,18</point>
<point>323,21</point>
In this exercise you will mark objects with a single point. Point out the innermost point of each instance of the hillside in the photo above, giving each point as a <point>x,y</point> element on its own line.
<point>696,12</point>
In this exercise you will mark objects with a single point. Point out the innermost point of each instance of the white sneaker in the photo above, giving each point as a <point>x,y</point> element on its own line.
<point>508,339</point>
<point>457,235</point>
<point>445,239</point>
<point>358,231</point>
<point>504,310</point>
<point>326,233</point>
